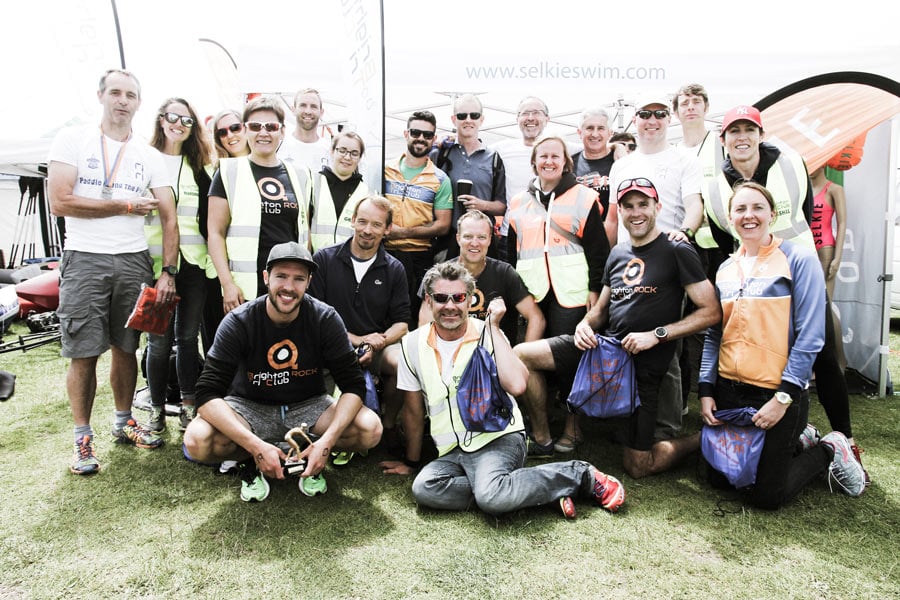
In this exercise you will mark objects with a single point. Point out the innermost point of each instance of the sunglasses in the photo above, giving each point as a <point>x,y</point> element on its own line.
<point>631,146</point>
<point>637,182</point>
<point>271,126</point>
<point>659,113</point>
<point>472,115</point>
<point>414,133</point>
<point>174,118</point>
<point>233,128</point>
<point>459,298</point>
<point>346,152</point>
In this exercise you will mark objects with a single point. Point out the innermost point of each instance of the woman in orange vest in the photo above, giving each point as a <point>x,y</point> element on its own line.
<point>561,250</point>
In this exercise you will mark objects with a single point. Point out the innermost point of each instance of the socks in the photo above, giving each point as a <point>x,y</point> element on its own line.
<point>83,430</point>
<point>122,417</point>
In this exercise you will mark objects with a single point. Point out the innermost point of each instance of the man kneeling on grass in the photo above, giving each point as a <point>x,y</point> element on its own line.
<point>485,467</point>
<point>268,356</point>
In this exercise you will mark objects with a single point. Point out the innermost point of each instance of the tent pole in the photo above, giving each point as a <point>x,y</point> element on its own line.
<point>888,276</point>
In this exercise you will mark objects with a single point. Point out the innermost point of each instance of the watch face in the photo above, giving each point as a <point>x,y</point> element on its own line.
<point>661,332</point>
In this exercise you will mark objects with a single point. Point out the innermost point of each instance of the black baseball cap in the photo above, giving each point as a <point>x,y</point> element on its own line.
<point>290,251</point>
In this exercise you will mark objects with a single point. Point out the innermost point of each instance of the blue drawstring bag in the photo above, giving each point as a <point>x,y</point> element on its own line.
<point>734,447</point>
<point>484,405</point>
<point>604,383</point>
<point>371,400</point>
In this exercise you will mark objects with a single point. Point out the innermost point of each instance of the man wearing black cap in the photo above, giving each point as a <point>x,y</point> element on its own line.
<point>263,377</point>
<point>644,283</point>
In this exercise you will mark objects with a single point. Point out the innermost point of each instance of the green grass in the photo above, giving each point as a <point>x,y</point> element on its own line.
<point>151,525</point>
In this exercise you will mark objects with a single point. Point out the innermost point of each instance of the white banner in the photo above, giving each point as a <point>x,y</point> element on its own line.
<point>859,295</point>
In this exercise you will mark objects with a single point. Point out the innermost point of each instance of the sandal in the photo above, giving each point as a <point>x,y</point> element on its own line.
<point>566,443</point>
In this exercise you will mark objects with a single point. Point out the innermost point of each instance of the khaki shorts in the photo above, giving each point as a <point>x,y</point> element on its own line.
<point>97,293</point>
<point>270,422</point>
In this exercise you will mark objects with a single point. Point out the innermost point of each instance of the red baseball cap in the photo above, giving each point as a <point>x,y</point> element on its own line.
<point>639,184</point>
<point>741,113</point>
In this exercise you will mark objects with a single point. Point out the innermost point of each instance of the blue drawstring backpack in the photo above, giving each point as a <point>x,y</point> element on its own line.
<point>734,447</point>
<point>484,405</point>
<point>604,383</point>
<point>370,400</point>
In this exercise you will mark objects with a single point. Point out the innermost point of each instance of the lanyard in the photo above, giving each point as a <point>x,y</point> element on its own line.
<point>109,176</point>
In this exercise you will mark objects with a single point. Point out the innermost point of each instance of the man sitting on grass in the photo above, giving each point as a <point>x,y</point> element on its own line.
<point>263,377</point>
<point>485,467</point>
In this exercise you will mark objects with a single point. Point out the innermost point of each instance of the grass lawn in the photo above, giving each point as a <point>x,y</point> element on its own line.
<point>152,525</point>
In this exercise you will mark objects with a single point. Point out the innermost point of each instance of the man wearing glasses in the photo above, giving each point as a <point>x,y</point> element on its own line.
<point>422,201</point>
<point>676,175</point>
<point>469,160</point>
<point>486,468</point>
<point>532,116</point>
<point>644,285</point>
<point>104,182</point>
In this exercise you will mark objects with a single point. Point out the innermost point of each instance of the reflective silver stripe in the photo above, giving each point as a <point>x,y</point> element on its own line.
<point>242,231</point>
<point>793,186</point>
<point>242,266</point>
<point>192,239</point>
<point>444,439</point>
<point>533,253</point>
<point>437,408</point>
<point>152,219</point>
<point>189,210</point>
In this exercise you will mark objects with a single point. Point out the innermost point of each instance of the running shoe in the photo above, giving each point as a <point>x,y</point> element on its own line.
<point>857,451</point>
<point>340,459</point>
<point>186,415</point>
<point>810,437</point>
<point>228,467</point>
<point>535,450</point>
<point>254,487</point>
<point>312,486</point>
<point>608,491</point>
<point>85,461</point>
<point>156,424</point>
<point>567,505</point>
<point>844,469</point>
<point>135,434</point>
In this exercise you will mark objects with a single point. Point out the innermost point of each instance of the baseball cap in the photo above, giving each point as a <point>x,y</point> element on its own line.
<point>290,251</point>
<point>640,184</point>
<point>645,100</point>
<point>741,113</point>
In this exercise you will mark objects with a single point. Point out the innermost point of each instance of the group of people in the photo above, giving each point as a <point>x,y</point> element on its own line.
<point>305,288</point>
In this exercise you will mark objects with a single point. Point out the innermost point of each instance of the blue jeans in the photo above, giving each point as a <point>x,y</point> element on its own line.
<point>496,479</point>
<point>190,284</point>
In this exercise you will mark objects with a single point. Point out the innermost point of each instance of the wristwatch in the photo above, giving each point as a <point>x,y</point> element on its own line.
<point>688,232</point>
<point>661,333</point>
<point>171,270</point>
<point>783,398</point>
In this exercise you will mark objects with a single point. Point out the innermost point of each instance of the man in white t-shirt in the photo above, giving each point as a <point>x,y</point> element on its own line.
<point>104,182</point>
<point>532,116</point>
<point>674,173</point>
<point>305,146</point>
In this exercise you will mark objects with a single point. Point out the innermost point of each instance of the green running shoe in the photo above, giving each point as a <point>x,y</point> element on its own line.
<point>312,486</point>
<point>254,487</point>
<point>135,434</point>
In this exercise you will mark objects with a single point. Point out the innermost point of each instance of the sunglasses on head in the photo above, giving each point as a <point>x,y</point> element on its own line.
<point>659,113</point>
<point>472,115</point>
<point>631,146</point>
<point>233,128</point>
<point>636,182</point>
<point>459,298</point>
<point>414,133</point>
<point>271,126</point>
<point>175,117</point>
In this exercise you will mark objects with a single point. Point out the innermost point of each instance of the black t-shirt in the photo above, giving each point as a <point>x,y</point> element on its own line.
<point>589,171</point>
<point>278,206</point>
<point>279,365</point>
<point>647,290</point>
